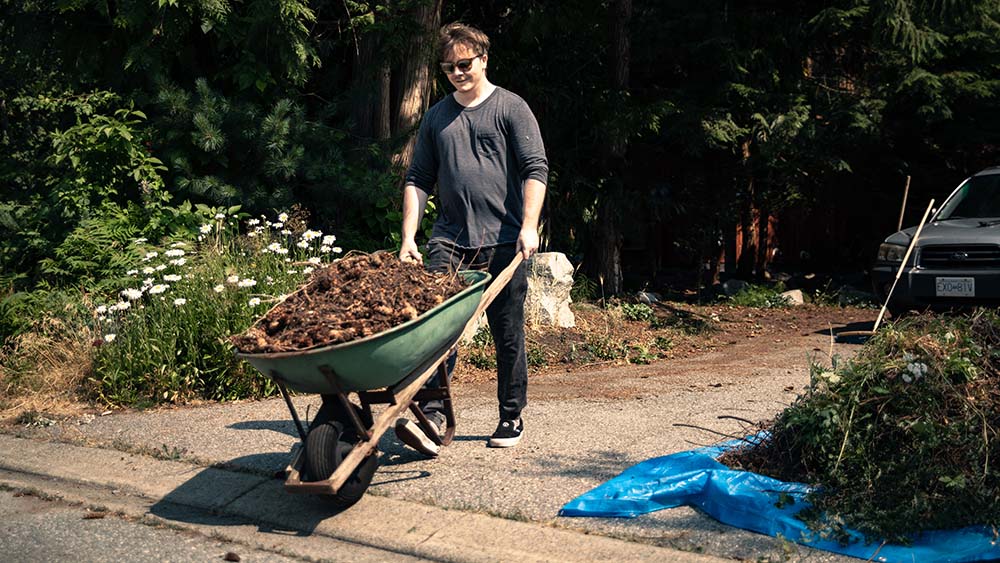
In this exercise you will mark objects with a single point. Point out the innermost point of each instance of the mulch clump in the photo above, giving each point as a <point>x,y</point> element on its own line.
<point>352,298</point>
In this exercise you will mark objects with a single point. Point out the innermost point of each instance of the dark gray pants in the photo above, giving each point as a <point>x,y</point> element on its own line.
<point>505,316</point>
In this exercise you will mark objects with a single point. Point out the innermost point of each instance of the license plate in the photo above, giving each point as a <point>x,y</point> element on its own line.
<point>955,287</point>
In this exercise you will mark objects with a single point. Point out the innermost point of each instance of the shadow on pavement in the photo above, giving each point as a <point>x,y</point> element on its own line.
<point>218,497</point>
<point>596,465</point>
<point>286,427</point>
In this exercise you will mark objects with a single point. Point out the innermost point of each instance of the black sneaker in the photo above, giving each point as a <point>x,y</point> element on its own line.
<point>507,434</point>
<point>412,435</point>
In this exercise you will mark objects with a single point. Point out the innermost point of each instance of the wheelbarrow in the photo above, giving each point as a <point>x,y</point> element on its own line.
<point>337,456</point>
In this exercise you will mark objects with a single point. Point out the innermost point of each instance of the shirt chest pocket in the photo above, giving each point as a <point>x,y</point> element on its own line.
<point>489,145</point>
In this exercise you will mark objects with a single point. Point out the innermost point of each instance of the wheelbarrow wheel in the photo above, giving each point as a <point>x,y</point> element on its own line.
<point>326,449</point>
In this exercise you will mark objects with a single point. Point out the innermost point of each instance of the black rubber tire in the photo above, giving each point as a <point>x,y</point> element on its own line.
<point>325,450</point>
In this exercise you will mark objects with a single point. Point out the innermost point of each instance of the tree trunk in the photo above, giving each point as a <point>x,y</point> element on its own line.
<point>415,80</point>
<point>363,108</point>
<point>383,122</point>
<point>609,238</point>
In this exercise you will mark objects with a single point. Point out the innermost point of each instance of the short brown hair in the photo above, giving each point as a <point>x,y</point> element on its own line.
<point>460,34</point>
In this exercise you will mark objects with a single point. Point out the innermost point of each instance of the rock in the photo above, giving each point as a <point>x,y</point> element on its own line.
<point>550,280</point>
<point>794,297</point>
<point>648,297</point>
<point>732,287</point>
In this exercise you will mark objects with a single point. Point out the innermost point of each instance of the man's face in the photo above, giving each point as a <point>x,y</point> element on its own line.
<point>468,80</point>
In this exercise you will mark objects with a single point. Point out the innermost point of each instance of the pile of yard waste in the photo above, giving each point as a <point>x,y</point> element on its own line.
<point>352,298</point>
<point>900,439</point>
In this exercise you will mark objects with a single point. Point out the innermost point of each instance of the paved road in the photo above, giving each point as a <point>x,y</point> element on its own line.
<point>471,503</point>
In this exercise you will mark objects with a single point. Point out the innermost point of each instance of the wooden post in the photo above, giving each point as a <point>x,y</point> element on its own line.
<point>902,210</point>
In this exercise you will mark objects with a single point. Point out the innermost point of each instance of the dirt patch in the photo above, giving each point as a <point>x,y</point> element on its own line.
<point>351,298</point>
<point>606,337</point>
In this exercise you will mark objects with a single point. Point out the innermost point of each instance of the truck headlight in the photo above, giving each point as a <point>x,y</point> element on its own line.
<point>888,252</point>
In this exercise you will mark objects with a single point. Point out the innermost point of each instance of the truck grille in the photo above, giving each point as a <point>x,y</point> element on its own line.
<point>965,257</point>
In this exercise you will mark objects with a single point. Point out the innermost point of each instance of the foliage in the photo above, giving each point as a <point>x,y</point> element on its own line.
<point>902,438</point>
<point>163,337</point>
<point>639,312</point>
<point>760,296</point>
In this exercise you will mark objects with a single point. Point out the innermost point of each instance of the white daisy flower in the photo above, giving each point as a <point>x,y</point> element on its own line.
<point>131,294</point>
<point>158,288</point>
<point>315,260</point>
<point>283,217</point>
<point>307,270</point>
<point>102,310</point>
<point>254,302</point>
<point>220,215</point>
<point>247,283</point>
<point>174,252</point>
<point>219,288</point>
<point>172,278</point>
<point>325,249</point>
<point>150,255</point>
<point>302,244</point>
<point>311,234</point>
<point>131,272</point>
<point>328,240</point>
<point>178,261</point>
<point>253,222</point>
<point>110,337</point>
<point>205,229</point>
<point>180,301</point>
<point>233,279</point>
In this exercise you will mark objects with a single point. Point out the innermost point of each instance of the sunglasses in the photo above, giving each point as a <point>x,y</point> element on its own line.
<point>463,65</point>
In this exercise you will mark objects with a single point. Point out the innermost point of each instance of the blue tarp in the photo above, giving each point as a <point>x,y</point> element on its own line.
<point>751,501</point>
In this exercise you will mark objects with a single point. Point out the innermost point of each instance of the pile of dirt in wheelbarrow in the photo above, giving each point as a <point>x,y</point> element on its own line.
<point>352,298</point>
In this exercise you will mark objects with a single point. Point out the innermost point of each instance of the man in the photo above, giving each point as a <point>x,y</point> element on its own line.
<point>482,148</point>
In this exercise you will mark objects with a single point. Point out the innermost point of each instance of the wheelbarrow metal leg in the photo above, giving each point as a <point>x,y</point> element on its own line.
<point>352,415</point>
<point>288,402</point>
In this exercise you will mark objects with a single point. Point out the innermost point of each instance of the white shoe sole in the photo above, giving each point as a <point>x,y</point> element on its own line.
<point>410,434</point>
<point>504,442</point>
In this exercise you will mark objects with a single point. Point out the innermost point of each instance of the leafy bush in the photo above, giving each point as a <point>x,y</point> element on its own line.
<point>760,296</point>
<point>904,437</point>
<point>584,288</point>
<point>639,312</point>
<point>163,338</point>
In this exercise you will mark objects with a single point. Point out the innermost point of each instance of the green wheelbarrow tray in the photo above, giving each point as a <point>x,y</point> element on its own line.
<point>376,361</point>
<point>388,368</point>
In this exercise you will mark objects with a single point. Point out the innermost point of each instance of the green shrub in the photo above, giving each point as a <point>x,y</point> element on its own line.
<point>903,438</point>
<point>584,289</point>
<point>639,312</point>
<point>164,337</point>
<point>760,296</point>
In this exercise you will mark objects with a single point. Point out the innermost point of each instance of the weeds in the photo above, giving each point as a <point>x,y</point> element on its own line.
<point>639,312</point>
<point>760,296</point>
<point>901,439</point>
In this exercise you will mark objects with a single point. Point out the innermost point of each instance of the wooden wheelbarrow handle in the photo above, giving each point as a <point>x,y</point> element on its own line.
<point>495,287</point>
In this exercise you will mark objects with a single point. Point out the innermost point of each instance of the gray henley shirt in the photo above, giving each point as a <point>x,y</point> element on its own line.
<point>478,157</point>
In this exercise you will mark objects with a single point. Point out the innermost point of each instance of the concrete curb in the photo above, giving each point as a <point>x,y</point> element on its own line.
<point>405,529</point>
